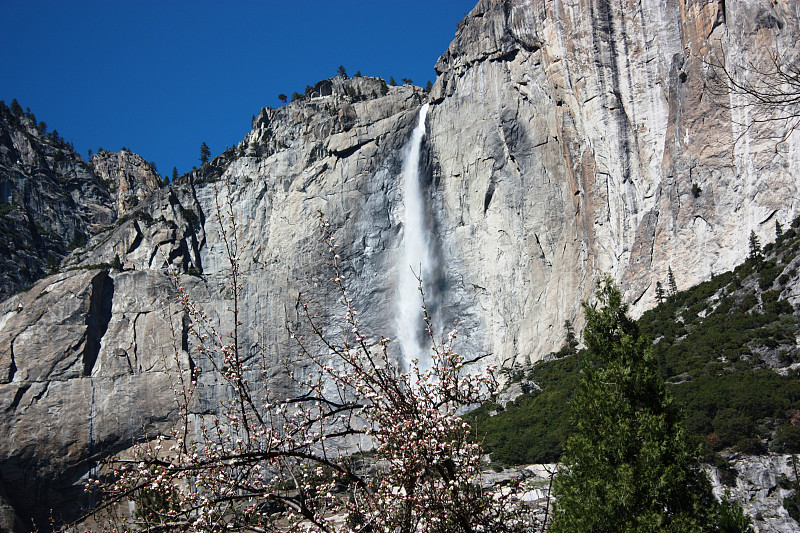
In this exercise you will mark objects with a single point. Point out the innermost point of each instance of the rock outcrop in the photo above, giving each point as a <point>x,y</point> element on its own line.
<point>131,179</point>
<point>52,201</point>
<point>564,139</point>
<point>49,199</point>
<point>760,485</point>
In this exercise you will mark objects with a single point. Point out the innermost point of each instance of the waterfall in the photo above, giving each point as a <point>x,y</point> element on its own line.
<point>417,255</point>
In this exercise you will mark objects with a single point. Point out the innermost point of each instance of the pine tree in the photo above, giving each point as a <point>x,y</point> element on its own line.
<point>174,174</point>
<point>572,341</point>
<point>16,109</point>
<point>391,81</point>
<point>342,71</point>
<point>659,292</point>
<point>778,230</point>
<point>282,97</point>
<point>755,255</point>
<point>205,153</point>
<point>629,466</point>
<point>671,285</point>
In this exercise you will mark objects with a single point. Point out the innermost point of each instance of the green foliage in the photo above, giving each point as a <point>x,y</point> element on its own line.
<point>768,272</point>
<point>116,263</point>
<point>190,216</point>
<point>660,294</point>
<point>16,109</point>
<point>792,506</point>
<point>391,81</point>
<point>787,438</point>
<point>534,427</point>
<point>755,255</point>
<point>696,190</point>
<point>342,71</point>
<point>629,465</point>
<point>6,208</point>
<point>205,152</point>
<point>282,97</point>
<point>671,284</point>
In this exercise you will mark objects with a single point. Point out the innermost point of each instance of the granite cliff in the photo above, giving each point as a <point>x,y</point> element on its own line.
<point>563,139</point>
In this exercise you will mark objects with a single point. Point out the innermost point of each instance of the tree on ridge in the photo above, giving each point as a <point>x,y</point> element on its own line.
<point>205,153</point>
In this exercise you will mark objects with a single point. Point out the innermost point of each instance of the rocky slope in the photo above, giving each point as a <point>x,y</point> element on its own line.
<point>564,139</point>
<point>50,200</point>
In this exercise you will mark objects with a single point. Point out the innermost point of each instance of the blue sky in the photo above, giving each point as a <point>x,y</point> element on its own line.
<point>162,77</point>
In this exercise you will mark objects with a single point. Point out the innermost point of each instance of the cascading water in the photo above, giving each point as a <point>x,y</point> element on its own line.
<point>418,259</point>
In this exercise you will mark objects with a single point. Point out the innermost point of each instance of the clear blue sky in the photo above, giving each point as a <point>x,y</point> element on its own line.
<point>161,77</point>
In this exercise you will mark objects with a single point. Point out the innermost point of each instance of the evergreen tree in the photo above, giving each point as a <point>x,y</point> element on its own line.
<point>342,71</point>
<point>755,256</point>
<point>572,341</point>
<point>673,287</point>
<point>778,230</point>
<point>16,109</point>
<point>428,86</point>
<point>391,81</point>
<point>629,466</point>
<point>174,174</point>
<point>205,153</point>
<point>659,292</point>
<point>282,97</point>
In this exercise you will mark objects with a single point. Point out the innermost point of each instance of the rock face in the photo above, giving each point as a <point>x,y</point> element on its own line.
<point>133,178</point>
<point>564,139</point>
<point>570,138</point>
<point>49,199</point>
<point>761,484</point>
<point>52,201</point>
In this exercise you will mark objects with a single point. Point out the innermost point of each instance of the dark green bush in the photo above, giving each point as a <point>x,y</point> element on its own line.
<point>787,438</point>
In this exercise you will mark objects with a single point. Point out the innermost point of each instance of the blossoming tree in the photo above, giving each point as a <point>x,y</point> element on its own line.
<point>363,445</point>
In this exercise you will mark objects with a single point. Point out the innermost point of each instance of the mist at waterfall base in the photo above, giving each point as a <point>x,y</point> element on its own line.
<point>417,258</point>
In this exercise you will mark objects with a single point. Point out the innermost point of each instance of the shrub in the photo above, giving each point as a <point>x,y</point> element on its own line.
<point>787,438</point>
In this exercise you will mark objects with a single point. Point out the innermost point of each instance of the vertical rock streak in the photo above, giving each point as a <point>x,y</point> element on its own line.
<point>417,257</point>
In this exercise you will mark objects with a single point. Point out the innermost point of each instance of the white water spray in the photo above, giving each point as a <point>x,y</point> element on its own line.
<point>417,257</point>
